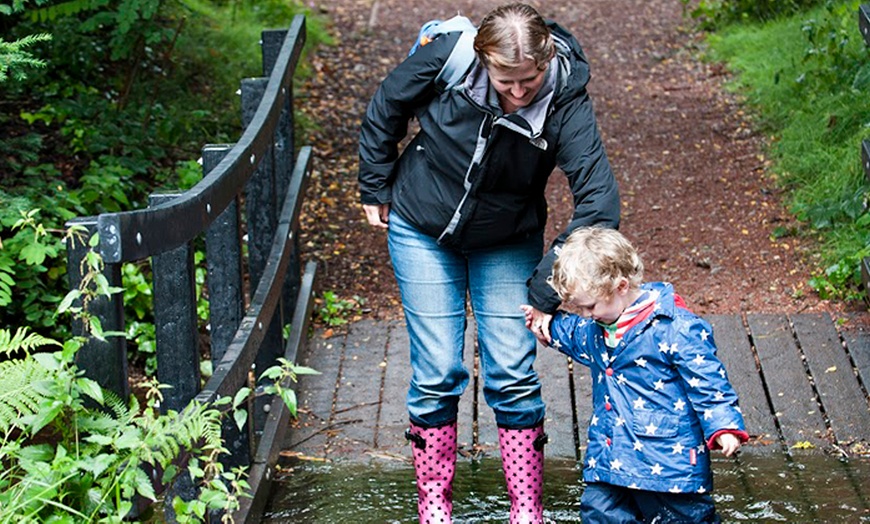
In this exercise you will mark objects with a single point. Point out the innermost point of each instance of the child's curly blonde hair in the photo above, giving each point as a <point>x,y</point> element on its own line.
<point>592,260</point>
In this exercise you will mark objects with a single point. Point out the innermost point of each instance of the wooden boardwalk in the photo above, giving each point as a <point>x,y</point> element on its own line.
<point>801,381</point>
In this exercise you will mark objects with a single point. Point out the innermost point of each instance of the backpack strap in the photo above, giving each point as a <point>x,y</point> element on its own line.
<point>460,59</point>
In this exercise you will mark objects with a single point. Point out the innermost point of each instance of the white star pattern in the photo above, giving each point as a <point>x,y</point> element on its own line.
<point>592,462</point>
<point>719,396</point>
<point>657,469</point>
<point>620,421</point>
<point>674,348</point>
<point>641,362</point>
<point>605,357</point>
<point>633,485</point>
<point>722,372</point>
<point>698,360</point>
<point>708,414</point>
<point>702,449</point>
<point>702,490</point>
<point>621,380</point>
<point>600,377</point>
<point>675,489</point>
<point>557,344</point>
<point>679,405</point>
<point>638,445</point>
<point>616,465</point>
<point>694,382</point>
<point>639,403</point>
<point>594,420</point>
<point>659,384</point>
<point>704,335</point>
<point>663,347</point>
<point>651,429</point>
<point>678,449</point>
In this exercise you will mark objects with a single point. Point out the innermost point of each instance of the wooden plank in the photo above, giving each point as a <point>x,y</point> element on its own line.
<point>793,399</point>
<point>857,339</point>
<point>393,418</point>
<point>552,368</point>
<point>735,352</point>
<point>315,396</point>
<point>839,391</point>
<point>359,390</point>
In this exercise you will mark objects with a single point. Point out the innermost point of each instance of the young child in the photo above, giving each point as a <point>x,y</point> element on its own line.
<point>661,398</point>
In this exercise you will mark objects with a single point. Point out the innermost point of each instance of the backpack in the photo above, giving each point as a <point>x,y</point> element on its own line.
<point>460,58</point>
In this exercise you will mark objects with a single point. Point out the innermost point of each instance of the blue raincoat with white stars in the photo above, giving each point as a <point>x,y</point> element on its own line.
<point>658,397</point>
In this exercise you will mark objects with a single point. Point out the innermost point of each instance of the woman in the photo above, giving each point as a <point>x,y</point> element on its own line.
<point>465,210</point>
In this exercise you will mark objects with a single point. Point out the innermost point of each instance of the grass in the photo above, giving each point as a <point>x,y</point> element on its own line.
<point>805,78</point>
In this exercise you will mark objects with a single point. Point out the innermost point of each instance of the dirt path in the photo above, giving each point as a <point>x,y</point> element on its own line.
<point>697,198</point>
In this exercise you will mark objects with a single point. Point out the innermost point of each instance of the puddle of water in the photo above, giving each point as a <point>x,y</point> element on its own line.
<point>754,488</point>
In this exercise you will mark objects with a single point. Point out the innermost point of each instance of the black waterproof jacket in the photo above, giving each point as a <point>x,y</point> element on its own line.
<point>474,177</point>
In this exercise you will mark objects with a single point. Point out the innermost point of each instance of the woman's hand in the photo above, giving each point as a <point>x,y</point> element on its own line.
<point>378,215</point>
<point>538,323</point>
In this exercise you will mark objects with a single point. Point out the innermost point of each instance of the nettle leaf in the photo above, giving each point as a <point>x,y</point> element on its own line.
<point>102,440</point>
<point>241,396</point>
<point>128,440</point>
<point>289,398</point>
<point>273,373</point>
<point>45,416</point>
<point>99,464</point>
<point>90,388</point>
<point>143,484</point>
<point>47,360</point>
<point>241,417</point>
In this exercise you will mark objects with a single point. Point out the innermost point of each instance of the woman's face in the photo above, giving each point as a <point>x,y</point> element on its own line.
<point>517,87</point>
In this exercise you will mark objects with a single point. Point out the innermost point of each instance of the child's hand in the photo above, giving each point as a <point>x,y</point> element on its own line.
<point>729,443</point>
<point>538,323</point>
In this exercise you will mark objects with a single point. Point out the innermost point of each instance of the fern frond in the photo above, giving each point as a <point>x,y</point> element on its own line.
<point>18,397</point>
<point>22,341</point>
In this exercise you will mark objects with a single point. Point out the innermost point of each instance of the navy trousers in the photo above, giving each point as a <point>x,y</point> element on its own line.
<point>609,504</point>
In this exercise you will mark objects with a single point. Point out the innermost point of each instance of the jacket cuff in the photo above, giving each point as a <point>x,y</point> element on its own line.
<point>739,433</point>
<point>542,296</point>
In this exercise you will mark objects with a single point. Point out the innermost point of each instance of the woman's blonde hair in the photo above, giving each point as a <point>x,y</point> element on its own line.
<point>592,260</point>
<point>511,34</point>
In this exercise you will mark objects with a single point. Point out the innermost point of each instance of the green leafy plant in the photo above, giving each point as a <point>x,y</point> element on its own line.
<point>335,311</point>
<point>805,78</point>
<point>715,13</point>
<point>73,452</point>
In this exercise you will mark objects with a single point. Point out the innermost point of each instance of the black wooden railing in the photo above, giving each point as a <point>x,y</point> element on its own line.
<point>864,25</point>
<point>256,178</point>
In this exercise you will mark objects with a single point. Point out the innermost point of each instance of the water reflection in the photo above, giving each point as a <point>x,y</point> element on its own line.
<point>762,489</point>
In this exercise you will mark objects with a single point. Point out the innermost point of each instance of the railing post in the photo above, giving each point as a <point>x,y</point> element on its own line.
<point>285,154</point>
<point>226,300</point>
<point>223,245</point>
<point>175,321</point>
<point>262,210</point>
<point>103,361</point>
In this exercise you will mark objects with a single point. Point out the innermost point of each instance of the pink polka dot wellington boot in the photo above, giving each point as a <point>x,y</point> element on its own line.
<point>522,453</point>
<point>434,451</point>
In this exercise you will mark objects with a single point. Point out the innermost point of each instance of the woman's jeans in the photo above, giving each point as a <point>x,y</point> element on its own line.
<point>434,282</point>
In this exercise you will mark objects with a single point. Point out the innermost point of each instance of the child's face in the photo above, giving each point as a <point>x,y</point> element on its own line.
<point>604,309</point>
